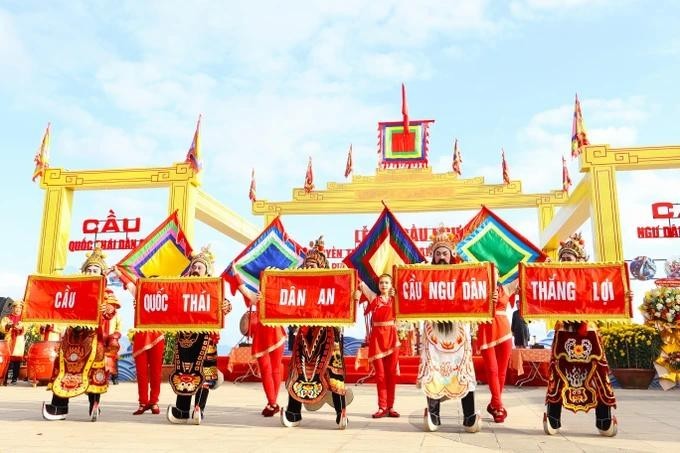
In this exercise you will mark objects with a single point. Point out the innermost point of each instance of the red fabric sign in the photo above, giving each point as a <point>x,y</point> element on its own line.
<point>321,297</point>
<point>189,304</point>
<point>444,292</point>
<point>68,300</point>
<point>574,291</point>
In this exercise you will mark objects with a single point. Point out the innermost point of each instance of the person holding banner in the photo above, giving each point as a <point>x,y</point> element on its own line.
<point>14,329</point>
<point>200,351</point>
<point>81,367</point>
<point>383,344</point>
<point>267,348</point>
<point>495,341</point>
<point>578,367</point>
<point>147,350</point>
<point>446,367</point>
<point>317,364</point>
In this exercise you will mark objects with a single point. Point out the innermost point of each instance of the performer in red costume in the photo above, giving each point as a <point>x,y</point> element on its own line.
<point>147,350</point>
<point>495,341</point>
<point>80,367</point>
<point>579,372</point>
<point>267,348</point>
<point>14,330</point>
<point>383,344</point>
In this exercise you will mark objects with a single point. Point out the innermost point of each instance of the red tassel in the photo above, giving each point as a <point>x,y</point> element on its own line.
<point>583,328</point>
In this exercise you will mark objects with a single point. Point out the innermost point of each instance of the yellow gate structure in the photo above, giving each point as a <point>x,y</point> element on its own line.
<point>421,190</point>
<point>186,197</point>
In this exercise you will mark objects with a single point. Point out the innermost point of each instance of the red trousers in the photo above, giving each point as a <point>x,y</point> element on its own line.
<point>149,364</point>
<point>496,361</point>
<point>271,370</point>
<point>386,379</point>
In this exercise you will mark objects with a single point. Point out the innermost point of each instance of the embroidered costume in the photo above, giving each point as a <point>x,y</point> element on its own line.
<point>14,330</point>
<point>80,366</point>
<point>195,360</point>
<point>579,373</point>
<point>317,364</point>
<point>446,367</point>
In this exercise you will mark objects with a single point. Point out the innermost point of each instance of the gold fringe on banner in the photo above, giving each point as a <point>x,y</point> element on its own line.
<point>176,329</point>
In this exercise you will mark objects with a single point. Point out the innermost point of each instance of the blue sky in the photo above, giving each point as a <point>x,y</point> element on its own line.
<point>123,84</point>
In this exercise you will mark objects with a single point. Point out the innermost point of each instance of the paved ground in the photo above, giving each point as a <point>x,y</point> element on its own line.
<point>649,421</point>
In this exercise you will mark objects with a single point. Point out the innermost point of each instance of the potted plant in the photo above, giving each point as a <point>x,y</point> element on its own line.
<point>661,309</point>
<point>168,355</point>
<point>631,350</point>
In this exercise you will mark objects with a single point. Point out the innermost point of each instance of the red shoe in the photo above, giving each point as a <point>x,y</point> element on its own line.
<point>498,415</point>
<point>392,413</point>
<point>141,409</point>
<point>270,411</point>
<point>154,409</point>
<point>380,414</point>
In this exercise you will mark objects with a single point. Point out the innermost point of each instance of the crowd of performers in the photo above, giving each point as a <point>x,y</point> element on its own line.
<point>578,372</point>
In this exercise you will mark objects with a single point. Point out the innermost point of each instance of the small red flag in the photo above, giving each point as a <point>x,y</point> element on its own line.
<point>579,138</point>
<point>194,154</point>
<point>404,108</point>
<point>566,180</point>
<point>251,192</point>
<point>506,173</point>
<point>309,177</point>
<point>457,159</point>
<point>349,167</point>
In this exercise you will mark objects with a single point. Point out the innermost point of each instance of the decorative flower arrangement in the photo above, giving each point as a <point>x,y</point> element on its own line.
<point>662,305</point>
<point>403,330</point>
<point>673,359</point>
<point>631,345</point>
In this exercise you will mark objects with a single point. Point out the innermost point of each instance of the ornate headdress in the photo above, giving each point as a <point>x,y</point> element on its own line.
<point>316,254</point>
<point>443,238</point>
<point>573,246</point>
<point>111,299</point>
<point>14,303</point>
<point>206,257</point>
<point>96,258</point>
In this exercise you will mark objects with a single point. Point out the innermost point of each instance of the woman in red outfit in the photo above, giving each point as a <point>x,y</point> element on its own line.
<point>495,341</point>
<point>147,350</point>
<point>268,350</point>
<point>383,344</point>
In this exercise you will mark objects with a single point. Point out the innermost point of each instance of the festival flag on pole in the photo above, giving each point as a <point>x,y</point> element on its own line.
<point>42,157</point>
<point>349,166</point>
<point>506,173</point>
<point>194,154</point>
<point>272,248</point>
<point>566,180</point>
<point>309,177</point>
<point>386,244</point>
<point>164,252</point>
<point>488,238</point>
<point>457,159</point>
<point>251,192</point>
<point>579,138</point>
<point>404,108</point>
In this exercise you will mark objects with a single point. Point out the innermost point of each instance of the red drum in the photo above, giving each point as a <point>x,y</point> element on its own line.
<point>41,358</point>
<point>4,359</point>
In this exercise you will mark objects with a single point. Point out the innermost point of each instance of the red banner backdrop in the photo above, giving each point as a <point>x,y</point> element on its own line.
<point>67,300</point>
<point>319,297</point>
<point>444,293</point>
<point>574,291</point>
<point>189,304</point>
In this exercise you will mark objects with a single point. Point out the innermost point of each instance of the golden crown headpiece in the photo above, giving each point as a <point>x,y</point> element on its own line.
<point>206,257</point>
<point>575,245</point>
<point>316,253</point>
<point>95,258</point>
<point>111,299</point>
<point>443,238</point>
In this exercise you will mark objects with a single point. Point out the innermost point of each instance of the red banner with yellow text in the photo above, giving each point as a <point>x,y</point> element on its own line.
<point>67,300</point>
<point>188,304</point>
<point>319,297</point>
<point>574,291</point>
<point>444,292</point>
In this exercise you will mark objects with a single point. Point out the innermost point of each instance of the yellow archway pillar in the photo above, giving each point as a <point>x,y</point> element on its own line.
<point>183,196</point>
<point>54,234</point>
<point>604,214</point>
<point>546,212</point>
